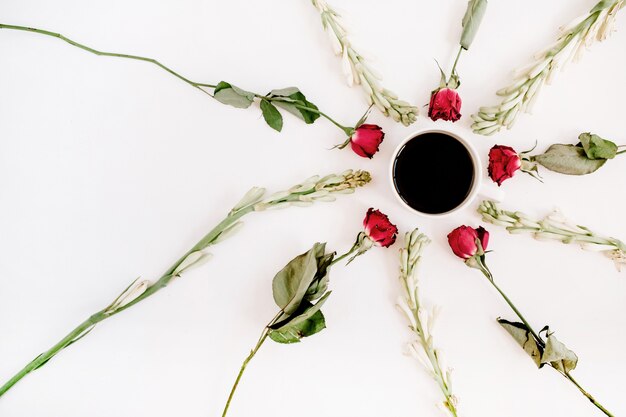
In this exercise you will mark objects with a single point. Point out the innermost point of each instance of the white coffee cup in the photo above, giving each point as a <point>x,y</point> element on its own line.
<point>478,187</point>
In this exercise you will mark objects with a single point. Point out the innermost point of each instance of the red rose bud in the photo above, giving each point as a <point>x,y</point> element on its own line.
<point>366,139</point>
<point>379,229</point>
<point>445,104</point>
<point>462,240</point>
<point>503,162</point>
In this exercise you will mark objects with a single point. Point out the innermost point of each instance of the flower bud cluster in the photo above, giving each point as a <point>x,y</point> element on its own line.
<point>358,71</point>
<point>316,189</point>
<point>421,319</point>
<point>554,227</point>
<point>522,94</point>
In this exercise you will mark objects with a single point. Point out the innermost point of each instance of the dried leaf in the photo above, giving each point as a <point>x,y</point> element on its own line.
<point>524,337</point>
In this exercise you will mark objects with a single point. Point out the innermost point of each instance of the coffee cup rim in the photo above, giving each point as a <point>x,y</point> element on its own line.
<point>476,184</point>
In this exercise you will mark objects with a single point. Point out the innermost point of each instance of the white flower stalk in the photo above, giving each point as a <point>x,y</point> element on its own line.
<point>358,71</point>
<point>315,189</point>
<point>312,190</point>
<point>421,320</point>
<point>522,94</point>
<point>554,227</point>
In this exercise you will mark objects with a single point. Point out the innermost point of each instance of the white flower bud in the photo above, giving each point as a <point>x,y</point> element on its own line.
<point>251,197</point>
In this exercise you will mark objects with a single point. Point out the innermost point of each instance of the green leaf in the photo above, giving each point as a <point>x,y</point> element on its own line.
<point>524,338</point>
<point>597,148</point>
<point>294,332</point>
<point>559,356</point>
<point>568,159</point>
<point>290,98</point>
<point>471,21</point>
<point>271,115</point>
<point>284,92</point>
<point>291,284</point>
<point>320,284</point>
<point>304,312</point>
<point>233,96</point>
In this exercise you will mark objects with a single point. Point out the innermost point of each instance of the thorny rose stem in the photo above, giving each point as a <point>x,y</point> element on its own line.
<point>157,63</point>
<point>538,339</point>
<point>264,335</point>
<point>312,189</point>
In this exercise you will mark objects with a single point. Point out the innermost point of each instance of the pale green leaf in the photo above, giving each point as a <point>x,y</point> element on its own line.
<point>558,355</point>
<point>524,338</point>
<point>234,96</point>
<point>568,159</point>
<point>471,21</point>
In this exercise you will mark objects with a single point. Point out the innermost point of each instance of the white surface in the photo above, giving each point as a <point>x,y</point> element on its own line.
<point>110,169</point>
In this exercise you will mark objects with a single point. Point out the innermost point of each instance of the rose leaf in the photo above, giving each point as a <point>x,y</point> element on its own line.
<point>291,284</point>
<point>292,100</point>
<point>524,338</point>
<point>292,332</point>
<point>233,96</point>
<point>597,148</point>
<point>471,21</point>
<point>568,159</point>
<point>559,356</point>
<point>271,115</point>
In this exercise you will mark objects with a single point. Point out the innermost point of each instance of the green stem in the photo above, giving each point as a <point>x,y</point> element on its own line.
<point>586,394</point>
<point>102,53</point>
<point>342,257</point>
<point>539,340</point>
<point>88,324</point>
<point>487,272</point>
<point>194,84</point>
<point>46,356</point>
<point>264,334</point>
<point>456,61</point>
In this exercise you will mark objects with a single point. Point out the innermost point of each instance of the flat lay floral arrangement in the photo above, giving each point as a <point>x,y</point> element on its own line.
<point>301,286</point>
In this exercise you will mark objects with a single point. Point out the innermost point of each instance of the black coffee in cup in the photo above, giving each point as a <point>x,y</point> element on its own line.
<point>433,173</point>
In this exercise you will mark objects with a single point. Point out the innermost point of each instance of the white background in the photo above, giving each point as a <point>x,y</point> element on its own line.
<point>110,169</point>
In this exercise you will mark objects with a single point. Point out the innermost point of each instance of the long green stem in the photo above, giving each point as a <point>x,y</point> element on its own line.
<point>538,339</point>
<point>96,318</point>
<point>485,270</point>
<point>114,54</point>
<point>264,334</point>
<point>194,84</point>
<point>586,394</point>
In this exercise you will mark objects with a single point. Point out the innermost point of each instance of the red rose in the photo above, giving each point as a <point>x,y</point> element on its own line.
<point>462,240</point>
<point>379,229</point>
<point>445,104</point>
<point>503,162</point>
<point>366,139</point>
